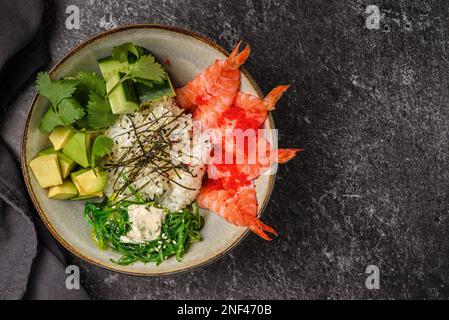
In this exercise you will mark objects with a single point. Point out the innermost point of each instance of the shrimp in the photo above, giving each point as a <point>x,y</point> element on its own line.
<point>237,207</point>
<point>230,193</point>
<point>247,165</point>
<point>214,100</point>
<point>256,109</point>
<point>216,87</point>
<point>265,158</point>
<point>255,170</point>
<point>248,112</point>
<point>230,175</point>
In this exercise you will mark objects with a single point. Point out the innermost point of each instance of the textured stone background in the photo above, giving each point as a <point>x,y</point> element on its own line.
<point>371,109</point>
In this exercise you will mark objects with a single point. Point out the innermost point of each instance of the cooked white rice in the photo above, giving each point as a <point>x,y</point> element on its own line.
<point>188,147</point>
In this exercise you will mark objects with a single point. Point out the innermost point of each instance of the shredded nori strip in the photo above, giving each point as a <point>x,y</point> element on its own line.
<point>151,152</point>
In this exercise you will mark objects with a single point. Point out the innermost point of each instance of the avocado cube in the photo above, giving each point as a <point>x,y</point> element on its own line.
<point>64,191</point>
<point>47,151</point>
<point>97,195</point>
<point>65,163</point>
<point>78,148</point>
<point>89,181</point>
<point>60,136</point>
<point>46,170</point>
<point>73,177</point>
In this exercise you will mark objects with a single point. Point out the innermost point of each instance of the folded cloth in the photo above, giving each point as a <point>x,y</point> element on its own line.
<point>32,266</point>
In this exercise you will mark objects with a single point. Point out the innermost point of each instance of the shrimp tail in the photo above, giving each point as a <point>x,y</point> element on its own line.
<point>285,155</point>
<point>236,59</point>
<point>272,98</point>
<point>259,227</point>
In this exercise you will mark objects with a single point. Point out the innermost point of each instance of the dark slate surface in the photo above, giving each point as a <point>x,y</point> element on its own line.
<point>371,109</point>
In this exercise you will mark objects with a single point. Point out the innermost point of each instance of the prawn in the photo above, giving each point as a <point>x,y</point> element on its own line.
<point>216,87</point>
<point>249,111</point>
<point>247,165</point>
<point>238,207</point>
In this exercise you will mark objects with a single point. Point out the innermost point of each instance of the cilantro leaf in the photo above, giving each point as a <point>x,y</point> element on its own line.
<point>148,68</point>
<point>49,121</point>
<point>120,53</point>
<point>99,113</point>
<point>141,51</point>
<point>90,82</point>
<point>69,110</point>
<point>82,123</point>
<point>101,147</point>
<point>56,90</point>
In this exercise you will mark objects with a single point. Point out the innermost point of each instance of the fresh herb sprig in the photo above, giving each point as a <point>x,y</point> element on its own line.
<point>78,102</point>
<point>109,223</point>
<point>101,147</point>
<point>145,69</point>
<point>81,101</point>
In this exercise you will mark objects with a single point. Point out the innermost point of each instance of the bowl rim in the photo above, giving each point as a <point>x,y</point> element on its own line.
<point>25,170</point>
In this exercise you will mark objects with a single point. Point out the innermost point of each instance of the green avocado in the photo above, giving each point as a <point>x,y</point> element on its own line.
<point>78,148</point>
<point>65,163</point>
<point>46,170</point>
<point>97,195</point>
<point>64,191</point>
<point>60,136</point>
<point>89,181</point>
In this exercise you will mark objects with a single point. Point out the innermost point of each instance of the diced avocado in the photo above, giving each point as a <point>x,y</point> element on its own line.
<point>97,195</point>
<point>50,150</point>
<point>78,148</point>
<point>123,99</point>
<point>63,192</point>
<point>60,136</point>
<point>46,170</point>
<point>65,163</point>
<point>89,181</point>
<point>75,174</point>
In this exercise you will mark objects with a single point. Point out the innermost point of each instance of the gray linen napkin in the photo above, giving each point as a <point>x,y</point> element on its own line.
<point>32,266</point>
